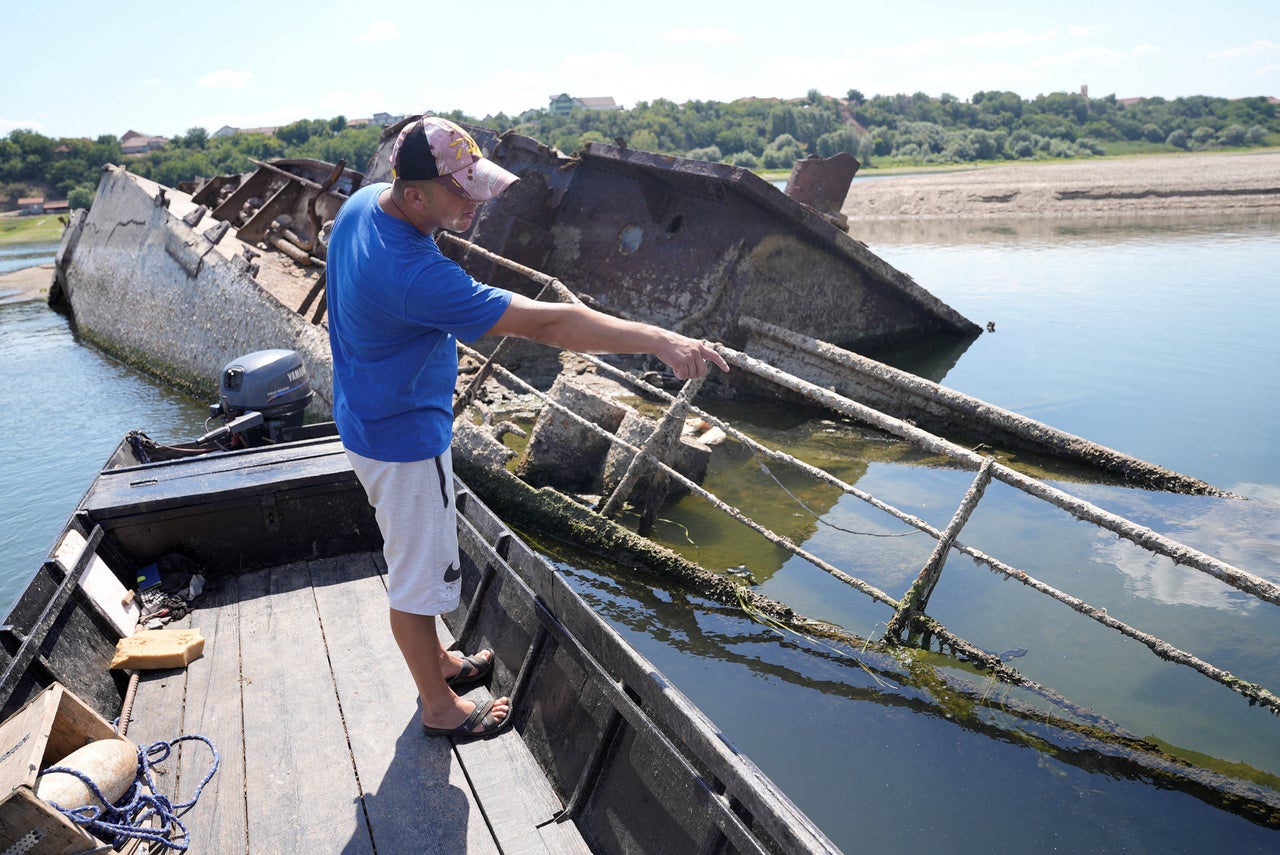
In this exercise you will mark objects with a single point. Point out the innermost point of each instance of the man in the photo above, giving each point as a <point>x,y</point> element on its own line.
<point>396,307</point>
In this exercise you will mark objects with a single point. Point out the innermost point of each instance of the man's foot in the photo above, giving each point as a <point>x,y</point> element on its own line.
<point>460,670</point>
<point>485,719</point>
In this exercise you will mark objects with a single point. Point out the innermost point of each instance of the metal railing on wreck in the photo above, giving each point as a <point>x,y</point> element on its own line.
<point>909,618</point>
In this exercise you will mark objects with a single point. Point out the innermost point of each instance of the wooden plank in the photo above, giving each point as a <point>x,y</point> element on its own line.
<point>213,710</point>
<point>157,716</point>
<point>415,793</point>
<point>301,788</point>
<point>124,491</point>
<point>514,793</point>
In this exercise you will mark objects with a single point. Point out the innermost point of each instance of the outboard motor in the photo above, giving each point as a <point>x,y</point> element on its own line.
<point>263,397</point>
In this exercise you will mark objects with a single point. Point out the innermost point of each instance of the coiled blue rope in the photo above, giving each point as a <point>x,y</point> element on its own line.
<point>130,817</point>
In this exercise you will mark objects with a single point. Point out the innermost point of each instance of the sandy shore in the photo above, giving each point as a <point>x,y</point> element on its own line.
<point>30,283</point>
<point>1164,185</point>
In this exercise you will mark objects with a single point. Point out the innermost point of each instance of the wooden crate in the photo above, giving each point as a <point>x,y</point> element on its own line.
<point>48,728</point>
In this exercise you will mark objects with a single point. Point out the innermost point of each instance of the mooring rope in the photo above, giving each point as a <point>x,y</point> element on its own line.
<point>130,818</point>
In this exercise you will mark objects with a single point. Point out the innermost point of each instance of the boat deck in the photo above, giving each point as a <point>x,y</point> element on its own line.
<point>304,693</point>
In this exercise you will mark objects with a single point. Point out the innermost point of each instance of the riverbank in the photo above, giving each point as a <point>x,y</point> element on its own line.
<point>29,283</point>
<point>1196,184</point>
<point>16,228</point>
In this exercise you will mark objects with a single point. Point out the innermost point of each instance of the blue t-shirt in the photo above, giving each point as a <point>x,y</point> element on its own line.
<point>396,307</point>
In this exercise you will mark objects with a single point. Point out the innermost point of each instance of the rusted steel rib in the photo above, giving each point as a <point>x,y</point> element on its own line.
<point>917,597</point>
<point>939,409</point>
<point>1079,508</point>
<point>657,447</point>
<point>1253,691</point>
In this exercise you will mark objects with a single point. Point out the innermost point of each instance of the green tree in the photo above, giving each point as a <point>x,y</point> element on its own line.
<point>1233,135</point>
<point>194,138</point>
<point>80,197</point>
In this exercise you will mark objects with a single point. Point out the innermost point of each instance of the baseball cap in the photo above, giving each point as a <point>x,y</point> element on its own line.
<point>432,147</point>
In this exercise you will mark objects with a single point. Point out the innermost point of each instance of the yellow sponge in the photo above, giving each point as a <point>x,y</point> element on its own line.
<point>158,648</point>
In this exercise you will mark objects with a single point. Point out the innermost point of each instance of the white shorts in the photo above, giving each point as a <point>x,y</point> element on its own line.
<point>414,505</point>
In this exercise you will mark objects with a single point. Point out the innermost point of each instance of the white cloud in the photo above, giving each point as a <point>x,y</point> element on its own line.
<point>909,50</point>
<point>379,31</point>
<point>8,125</point>
<point>702,36</point>
<point>225,79</point>
<point>153,81</point>
<point>1096,55</point>
<point>1257,48</point>
<point>1008,38</point>
<point>354,105</point>
<point>1091,31</point>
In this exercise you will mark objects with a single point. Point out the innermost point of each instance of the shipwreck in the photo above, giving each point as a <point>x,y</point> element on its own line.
<point>182,281</point>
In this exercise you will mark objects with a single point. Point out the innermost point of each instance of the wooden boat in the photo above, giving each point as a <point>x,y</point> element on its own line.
<point>315,719</point>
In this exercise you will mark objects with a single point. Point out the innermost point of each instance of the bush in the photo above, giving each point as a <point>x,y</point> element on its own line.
<point>1063,148</point>
<point>710,153</point>
<point>782,153</point>
<point>80,197</point>
<point>1233,135</point>
<point>1087,145</point>
<point>1022,148</point>
<point>1202,136</point>
<point>1178,139</point>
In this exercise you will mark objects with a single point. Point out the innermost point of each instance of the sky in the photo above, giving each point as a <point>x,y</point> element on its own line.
<point>84,69</point>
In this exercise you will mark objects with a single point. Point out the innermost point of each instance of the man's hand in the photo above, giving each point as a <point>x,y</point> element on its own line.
<point>689,358</point>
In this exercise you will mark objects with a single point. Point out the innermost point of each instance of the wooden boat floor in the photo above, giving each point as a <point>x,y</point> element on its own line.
<point>311,708</point>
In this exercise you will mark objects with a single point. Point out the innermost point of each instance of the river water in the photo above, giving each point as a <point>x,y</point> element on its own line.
<point>1156,339</point>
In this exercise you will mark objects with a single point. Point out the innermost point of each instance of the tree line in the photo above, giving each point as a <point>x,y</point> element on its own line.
<point>754,133</point>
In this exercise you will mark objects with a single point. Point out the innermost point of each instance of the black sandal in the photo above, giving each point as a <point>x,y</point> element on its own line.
<point>473,669</point>
<point>481,715</point>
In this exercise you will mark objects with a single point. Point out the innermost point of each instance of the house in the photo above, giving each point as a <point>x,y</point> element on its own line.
<point>135,143</point>
<point>62,207</point>
<point>31,205</point>
<point>382,120</point>
<point>563,104</point>
<point>227,130</point>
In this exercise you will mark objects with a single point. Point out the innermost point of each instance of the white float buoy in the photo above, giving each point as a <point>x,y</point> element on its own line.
<point>112,764</point>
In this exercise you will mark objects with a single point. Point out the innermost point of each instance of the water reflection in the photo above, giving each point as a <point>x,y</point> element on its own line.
<point>838,703</point>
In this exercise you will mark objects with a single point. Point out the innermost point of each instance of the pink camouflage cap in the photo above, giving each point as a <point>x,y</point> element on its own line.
<point>432,147</point>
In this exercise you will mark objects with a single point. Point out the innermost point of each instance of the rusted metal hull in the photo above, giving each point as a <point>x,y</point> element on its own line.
<point>693,246</point>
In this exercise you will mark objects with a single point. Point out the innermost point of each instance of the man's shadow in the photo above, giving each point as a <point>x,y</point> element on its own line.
<point>414,808</point>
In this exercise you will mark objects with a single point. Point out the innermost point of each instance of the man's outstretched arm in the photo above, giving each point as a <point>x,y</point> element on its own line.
<point>573,326</point>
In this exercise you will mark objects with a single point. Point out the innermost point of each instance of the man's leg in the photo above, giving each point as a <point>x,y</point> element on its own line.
<point>419,643</point>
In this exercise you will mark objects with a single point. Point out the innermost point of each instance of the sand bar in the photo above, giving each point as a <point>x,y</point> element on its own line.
<point>29,283</point>
<point>1176,185</point>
